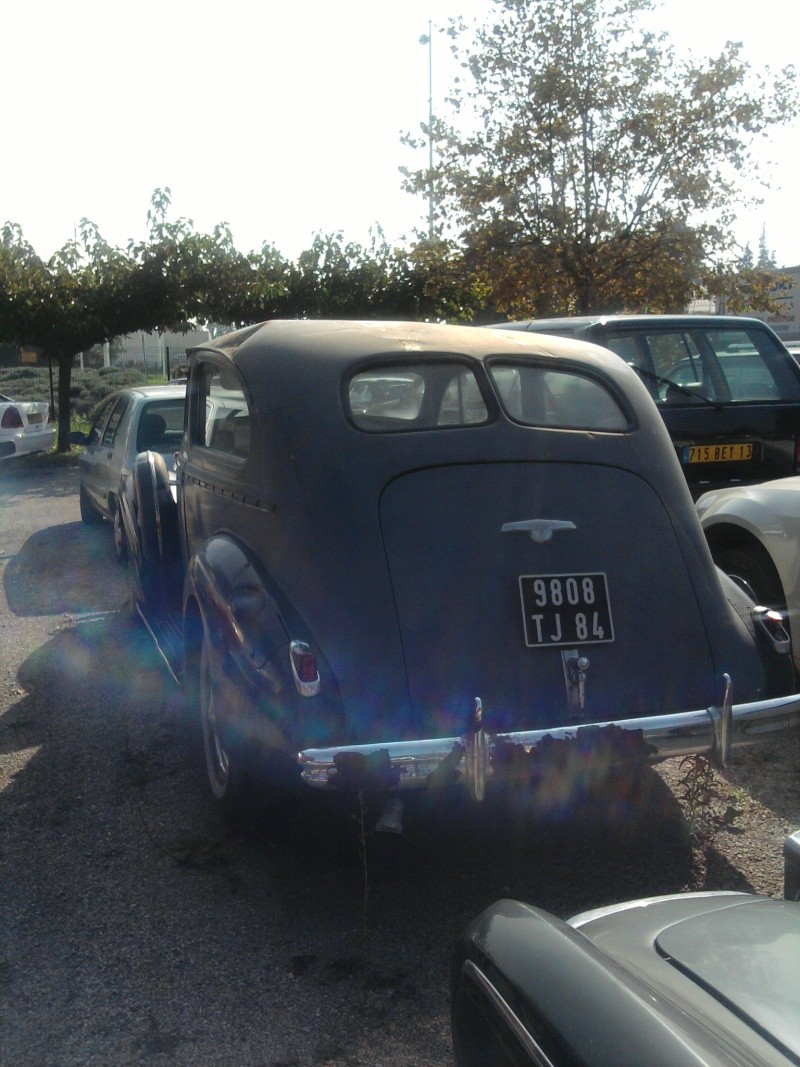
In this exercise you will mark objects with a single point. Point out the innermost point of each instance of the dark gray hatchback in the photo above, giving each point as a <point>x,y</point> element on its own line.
<point>726,387</point>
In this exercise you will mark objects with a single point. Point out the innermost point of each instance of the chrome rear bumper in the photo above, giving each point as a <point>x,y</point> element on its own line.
<point>713,730</point>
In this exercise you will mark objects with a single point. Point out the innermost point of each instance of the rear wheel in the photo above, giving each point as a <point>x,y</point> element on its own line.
<point>223,758</point>
<point>89,513</point>
<point>755,574</point>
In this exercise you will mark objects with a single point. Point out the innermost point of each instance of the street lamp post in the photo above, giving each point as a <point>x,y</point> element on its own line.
<point>427,38</point>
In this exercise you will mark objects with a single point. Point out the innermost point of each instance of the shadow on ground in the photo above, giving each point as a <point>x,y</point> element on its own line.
<point>64,570</point>
<point>136,902</point>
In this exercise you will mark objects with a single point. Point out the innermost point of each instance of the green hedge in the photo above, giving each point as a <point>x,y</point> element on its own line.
<point>87,387</point>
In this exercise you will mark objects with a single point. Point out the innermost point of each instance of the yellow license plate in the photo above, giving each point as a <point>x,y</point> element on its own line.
<point>737,453</point>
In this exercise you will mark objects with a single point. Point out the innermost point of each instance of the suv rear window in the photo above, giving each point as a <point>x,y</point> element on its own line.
<point>415,398</point>
<point>539,396</point>
<point>698,364</point>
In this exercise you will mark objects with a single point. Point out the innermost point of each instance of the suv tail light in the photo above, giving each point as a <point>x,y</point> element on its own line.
<point>304,669</point>
<point>12,420</point>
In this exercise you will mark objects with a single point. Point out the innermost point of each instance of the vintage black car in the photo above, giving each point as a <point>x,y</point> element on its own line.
<point>726,387</point>
<point>404,554</point>
<point>709,979</point>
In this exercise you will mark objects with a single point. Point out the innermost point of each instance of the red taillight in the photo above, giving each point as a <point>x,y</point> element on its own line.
<point>304,669</point>
<point>12,420</point>
<point>305,663</point>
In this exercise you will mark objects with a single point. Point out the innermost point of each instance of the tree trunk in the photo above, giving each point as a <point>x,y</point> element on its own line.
<point>64,361</point>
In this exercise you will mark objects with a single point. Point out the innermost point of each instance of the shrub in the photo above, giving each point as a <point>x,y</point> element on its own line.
<point>88,387</point>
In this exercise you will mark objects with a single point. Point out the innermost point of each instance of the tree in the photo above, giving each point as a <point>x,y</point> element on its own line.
<point>587,167</point>
<point>335,278</point>
<point>766,258</point>
<point>90,292</point>
<point>65,305</point>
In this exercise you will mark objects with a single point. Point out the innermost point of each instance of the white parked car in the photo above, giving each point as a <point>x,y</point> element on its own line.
<point>754,535</point>
<point>24,427</point>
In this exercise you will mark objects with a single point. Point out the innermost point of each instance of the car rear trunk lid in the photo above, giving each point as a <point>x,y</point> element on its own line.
<point>463,561</point>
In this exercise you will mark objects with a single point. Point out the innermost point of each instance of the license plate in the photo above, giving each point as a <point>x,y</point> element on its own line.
<point>34,416</point>
<point>734,453</point>
<point>565,609</point>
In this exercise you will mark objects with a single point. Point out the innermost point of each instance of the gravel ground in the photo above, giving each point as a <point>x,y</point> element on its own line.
<point>139,928</point>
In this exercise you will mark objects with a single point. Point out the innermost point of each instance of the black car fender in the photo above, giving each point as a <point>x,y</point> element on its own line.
<point>250,634</point>
<point>776,661</point>
<point>239,614</point>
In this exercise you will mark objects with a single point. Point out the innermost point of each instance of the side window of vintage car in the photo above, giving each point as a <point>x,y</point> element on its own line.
<point>560,399</point>
<point>227,421</point>
<point>462,402</point>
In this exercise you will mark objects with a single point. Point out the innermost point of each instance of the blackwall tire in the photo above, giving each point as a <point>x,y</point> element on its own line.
<point>224,763</point>
<point>148,482</point>
<point>156,527</point>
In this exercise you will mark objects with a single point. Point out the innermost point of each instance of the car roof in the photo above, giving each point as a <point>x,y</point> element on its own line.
<point>156,392</point>
<point>345,342</point>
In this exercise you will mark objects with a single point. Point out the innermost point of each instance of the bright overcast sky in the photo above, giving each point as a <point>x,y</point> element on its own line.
<point>280,119</point>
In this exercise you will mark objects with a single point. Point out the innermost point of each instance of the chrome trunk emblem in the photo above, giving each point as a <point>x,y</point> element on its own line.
<point>540,530</point>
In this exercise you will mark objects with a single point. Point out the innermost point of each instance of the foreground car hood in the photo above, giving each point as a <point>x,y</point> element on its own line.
<point>697,978</point>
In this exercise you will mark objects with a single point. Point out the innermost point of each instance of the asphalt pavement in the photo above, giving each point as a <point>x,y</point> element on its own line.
<point>140,928</point>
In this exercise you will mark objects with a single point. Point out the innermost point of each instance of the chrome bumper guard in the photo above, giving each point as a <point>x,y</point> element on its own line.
<point>714,730</point>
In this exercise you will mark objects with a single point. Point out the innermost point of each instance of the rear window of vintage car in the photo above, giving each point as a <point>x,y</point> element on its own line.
<point>418,397</point>
<point>564,400</point>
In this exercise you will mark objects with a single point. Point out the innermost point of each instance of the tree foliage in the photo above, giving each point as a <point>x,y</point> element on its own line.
<point>586,165</point>
<point>90,292</point>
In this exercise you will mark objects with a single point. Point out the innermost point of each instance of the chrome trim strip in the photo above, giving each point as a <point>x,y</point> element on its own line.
<point>531,1047</point>
<point>680,734</point>
<point>157,643</point>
